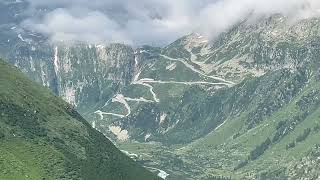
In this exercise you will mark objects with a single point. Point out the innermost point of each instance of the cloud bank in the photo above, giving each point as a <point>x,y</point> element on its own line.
<point>153,22</point>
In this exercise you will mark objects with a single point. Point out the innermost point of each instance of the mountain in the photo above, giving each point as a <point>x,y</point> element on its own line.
<point>264,125</point>
<point>244,106</point>
<point>42,137</point>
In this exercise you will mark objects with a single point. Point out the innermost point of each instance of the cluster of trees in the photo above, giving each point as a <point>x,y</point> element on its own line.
<point>285,127</point>
<point>260,149</point>
<point>288,90</point>
<point>254,154</point>
<point>308,101</point>
<point>302,137</point>
<point>316,128</point>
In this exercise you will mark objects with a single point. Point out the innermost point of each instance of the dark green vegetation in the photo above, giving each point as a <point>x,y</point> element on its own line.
<point>42,137</point>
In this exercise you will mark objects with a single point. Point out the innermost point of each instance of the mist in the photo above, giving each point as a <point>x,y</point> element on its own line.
<point>153,22</point>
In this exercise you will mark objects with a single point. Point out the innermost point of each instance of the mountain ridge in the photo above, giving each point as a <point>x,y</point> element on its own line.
<point>198,108</point>
<point>44,137</point>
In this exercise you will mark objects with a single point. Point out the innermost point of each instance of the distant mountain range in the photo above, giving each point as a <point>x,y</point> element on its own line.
<point>244,106</point>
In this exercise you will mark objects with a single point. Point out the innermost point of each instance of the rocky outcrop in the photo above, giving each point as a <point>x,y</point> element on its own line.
<point>78,73</point>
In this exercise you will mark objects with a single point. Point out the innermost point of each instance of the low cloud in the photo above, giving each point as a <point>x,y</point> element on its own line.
<point>220,16</point>
<point>154,22</point>
<point>94,27</point>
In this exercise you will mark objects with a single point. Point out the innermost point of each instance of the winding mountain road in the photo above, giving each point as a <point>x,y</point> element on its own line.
<point>230,83</point>
<point>120,98</point>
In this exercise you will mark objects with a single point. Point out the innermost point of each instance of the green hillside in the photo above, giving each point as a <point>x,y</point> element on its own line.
<point>266,126</point>
<point>271,131</point>
<point>42,137</point>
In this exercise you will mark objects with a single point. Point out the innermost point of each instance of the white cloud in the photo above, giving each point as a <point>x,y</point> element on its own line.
<point>93,27</point>
<point>156,22</point>
<point>220,16</point>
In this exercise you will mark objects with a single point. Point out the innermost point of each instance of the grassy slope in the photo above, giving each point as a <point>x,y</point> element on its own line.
<point>219,152</point>
<point>228,150</point>
<point>42,137</point>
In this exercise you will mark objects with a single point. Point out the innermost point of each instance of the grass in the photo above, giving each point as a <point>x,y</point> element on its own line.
<point>43,137</point>
<point>22,159</point>
<point>220,151</point>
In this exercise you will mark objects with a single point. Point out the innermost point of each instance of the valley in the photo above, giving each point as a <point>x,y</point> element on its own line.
<point>244,105</point>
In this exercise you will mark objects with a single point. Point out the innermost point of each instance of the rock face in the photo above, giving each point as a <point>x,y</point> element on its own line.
<point>78,73</point>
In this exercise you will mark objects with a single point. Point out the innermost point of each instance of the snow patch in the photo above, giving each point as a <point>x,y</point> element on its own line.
<point>147,136</point>
<point>56,60</point>
<point>163,174</point>
<point>21,38</point>
<point>121,134</point>
<point>136,61</point>
<point>163,117</point>
<point>171,67</point>
<point>100,46</point>
<point>70,95</point>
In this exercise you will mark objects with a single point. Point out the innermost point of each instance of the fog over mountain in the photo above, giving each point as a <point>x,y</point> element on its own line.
<point>156,22</point>
<point>223,89</point>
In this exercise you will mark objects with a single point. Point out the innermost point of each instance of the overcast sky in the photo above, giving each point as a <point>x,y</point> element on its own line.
<point>154,22</point>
